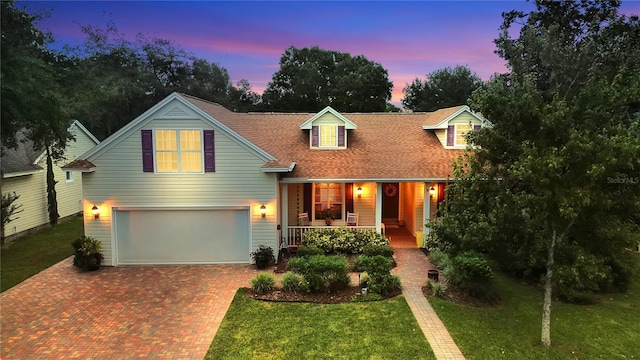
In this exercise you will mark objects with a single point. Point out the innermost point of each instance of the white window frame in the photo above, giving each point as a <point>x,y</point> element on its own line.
<point>342,203</point>
<point>179,152</point>
<point>335,136</point>
<point>68,176</point>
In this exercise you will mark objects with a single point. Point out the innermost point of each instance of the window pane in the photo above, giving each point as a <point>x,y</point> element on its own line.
<point>191,161</point>
<point>167,161</point>
<point>328,135</point>
<point>166,140</point>
<point>190,140</point>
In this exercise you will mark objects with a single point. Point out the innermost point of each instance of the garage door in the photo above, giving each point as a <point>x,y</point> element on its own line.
<point>182,236</point>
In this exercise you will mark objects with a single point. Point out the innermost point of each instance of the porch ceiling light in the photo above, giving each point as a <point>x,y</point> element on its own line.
<point>263,210</point>
<point>432,191</point>
<point>95,211</point>
<point>359,191</point>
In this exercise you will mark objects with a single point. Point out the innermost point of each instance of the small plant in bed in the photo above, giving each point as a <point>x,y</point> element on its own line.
<point>263,257</point>
<point>88,253</point>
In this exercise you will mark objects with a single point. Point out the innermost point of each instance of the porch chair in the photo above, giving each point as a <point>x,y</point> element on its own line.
<point>303,219</point>
<point>352,219</point>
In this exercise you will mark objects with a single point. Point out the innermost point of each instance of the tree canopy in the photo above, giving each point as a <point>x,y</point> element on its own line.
<point>310,79</point>
<point>442,88</point>
<point>552,192</point>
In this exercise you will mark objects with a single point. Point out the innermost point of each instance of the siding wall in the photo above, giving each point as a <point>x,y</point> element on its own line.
<point>411,204</point>
<point>33,189</point>
<point>295,195</point>
<point>120,182</point>
<point>365,206</point>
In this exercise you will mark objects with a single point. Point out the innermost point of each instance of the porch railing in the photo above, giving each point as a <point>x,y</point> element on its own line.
<point>293,236</point>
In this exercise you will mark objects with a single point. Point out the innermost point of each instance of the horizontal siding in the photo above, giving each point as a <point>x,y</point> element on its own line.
<point>419,207</point>
<point>33,189</point>
<point>365,206</point>
<point>295,206</point>
<point>464,118</point>
<point>238,181</point>
<point>328,119</point>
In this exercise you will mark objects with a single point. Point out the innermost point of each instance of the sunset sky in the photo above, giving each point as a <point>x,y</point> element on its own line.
<point>409,39</point>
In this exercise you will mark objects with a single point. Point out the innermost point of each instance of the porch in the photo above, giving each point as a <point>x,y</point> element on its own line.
<point>396,209</point>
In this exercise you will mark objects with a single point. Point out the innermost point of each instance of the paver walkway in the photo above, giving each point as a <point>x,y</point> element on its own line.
<point>412,269</point>
<point>155,312</point>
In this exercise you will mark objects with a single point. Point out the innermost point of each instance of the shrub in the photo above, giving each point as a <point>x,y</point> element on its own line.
<point>386,284</point>
<point>292,282</point>
<point>378,269</point>
<point>342,240</point>
<point>88,253</point>
<point>322,273</point>
<point>263,283</point>
<point>439,259</point>
<point>376,249</point>
<point>309,250</point>
<point>471,272</point>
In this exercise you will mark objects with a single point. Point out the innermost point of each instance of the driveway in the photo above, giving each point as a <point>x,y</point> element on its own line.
<point>156,312</point>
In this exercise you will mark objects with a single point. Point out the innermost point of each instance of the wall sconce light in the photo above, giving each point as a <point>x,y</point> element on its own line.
<point>95,211</point>
<point>432,191</point>
<point>263,210</point>
<point>359,191</point>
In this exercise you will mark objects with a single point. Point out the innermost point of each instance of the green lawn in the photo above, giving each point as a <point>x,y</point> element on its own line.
<point>255,329</point>
<point>608,330</point>
<point>30,254</point>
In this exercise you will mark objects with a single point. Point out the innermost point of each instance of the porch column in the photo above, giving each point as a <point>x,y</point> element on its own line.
<point>426,210</point>
<point>378,206</point>
<point>284,206</point>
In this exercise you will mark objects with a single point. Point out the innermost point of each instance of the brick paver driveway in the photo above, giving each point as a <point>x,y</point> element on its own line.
<point>128,312</point>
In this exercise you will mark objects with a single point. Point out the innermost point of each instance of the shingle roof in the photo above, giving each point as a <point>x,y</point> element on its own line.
<point>20,160</point>
<point>384,146</point>
<point>79,165</point>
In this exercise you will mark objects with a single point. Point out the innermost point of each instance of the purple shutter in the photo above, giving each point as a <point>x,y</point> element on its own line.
<point>315,136</point>
<point>348,194</point>
<point>209,151</point>
<point>340,135</point>
<point>147,150</point>
<point>476,127</point>
<point>451,132</point>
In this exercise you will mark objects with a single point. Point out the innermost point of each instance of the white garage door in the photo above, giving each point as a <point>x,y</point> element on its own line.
<point>182,236</point>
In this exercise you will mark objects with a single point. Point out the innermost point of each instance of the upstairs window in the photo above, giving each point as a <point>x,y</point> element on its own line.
<point>178,151</point>
<point>328,136</point>
<point>461,133</point>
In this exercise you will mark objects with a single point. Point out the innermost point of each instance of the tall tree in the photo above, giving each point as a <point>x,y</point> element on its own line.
<point>441,89</point>
<point>31,96</point>
<point>310,79</point>
<point>553,185</point>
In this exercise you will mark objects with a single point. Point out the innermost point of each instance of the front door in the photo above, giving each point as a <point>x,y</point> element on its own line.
<point>390,196</point>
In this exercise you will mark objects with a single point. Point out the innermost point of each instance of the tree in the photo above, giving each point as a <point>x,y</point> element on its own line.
<point>310,79</point>
<point>31,96</point>
<point>551,190</point>
<point>441,89</point>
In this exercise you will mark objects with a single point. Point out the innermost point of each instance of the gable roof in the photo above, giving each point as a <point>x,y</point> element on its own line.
<point>348,124</point>
<point>441,118</point>
<point>385,146</point>
<point>25,158</point>
<point>209,112</point>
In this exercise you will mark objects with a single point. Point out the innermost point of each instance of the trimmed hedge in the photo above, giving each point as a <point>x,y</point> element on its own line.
<point>341,240</point>
<point>322,273</point>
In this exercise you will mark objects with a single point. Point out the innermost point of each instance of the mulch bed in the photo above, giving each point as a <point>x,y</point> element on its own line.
<point>457,296</point>
<point>337,297</point>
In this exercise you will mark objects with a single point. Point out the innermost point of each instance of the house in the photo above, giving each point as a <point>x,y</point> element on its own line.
<point>24,173</point>
<point>189,181</point>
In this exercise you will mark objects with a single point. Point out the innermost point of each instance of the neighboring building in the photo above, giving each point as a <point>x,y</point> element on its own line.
<point>24,173</point>
<point>188,181</point>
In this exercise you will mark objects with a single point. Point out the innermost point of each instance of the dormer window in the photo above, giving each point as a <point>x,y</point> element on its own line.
<point>461,133</point>
<point>328,130</point>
